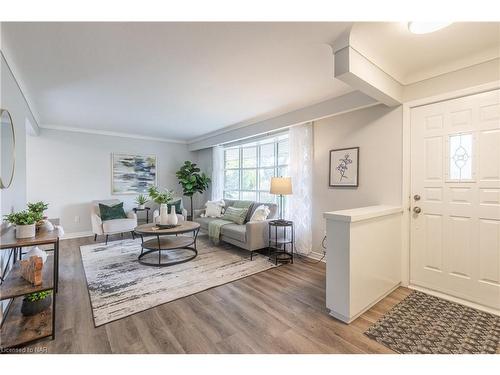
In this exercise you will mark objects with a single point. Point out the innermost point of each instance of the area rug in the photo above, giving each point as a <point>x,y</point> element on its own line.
<point>119,286</point>
<point>423,324</point>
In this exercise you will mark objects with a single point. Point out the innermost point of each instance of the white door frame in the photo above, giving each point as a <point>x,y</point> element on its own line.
<point>406,164</point>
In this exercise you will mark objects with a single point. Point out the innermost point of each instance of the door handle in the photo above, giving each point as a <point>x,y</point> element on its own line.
<point>416,197</point>
<point>417,210</point>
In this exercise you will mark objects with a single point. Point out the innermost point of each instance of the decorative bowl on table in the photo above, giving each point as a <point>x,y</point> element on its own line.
<point>167,226</point>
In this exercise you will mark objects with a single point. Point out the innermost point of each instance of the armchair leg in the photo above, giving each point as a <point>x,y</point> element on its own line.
<point>251,255</point>
<point>133,235</point>
<point>106,239</point>
<point>95,237</point>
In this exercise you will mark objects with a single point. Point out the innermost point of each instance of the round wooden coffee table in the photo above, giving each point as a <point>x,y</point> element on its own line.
<point>168,240</point>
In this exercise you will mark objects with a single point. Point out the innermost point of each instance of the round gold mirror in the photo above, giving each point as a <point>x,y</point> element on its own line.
<point>7,149</point>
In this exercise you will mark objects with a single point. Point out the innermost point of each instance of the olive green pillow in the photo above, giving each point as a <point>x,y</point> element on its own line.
<point>112,212</point>
<point>236,215</point>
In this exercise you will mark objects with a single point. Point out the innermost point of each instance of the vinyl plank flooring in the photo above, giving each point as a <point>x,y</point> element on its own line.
<point>281,310</point>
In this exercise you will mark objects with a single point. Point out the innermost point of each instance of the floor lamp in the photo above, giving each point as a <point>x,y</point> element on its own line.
<point>281,186</point>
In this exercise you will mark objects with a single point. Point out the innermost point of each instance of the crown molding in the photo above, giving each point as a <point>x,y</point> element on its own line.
<point>111,133</point>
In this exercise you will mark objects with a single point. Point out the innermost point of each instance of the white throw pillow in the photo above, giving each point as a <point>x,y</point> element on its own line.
<point>214,208</point>
<point>261,213</point>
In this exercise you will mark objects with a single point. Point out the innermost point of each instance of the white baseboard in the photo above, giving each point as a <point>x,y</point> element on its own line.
<point>68,236</point>
<point>317,256</point>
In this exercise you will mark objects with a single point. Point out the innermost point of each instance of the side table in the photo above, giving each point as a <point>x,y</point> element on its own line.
<point>136,209</point>
<point>281,237</point>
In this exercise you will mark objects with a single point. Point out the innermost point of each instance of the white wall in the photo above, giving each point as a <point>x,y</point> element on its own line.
<point>70,169</point>
<point>378,133</point>
<point>14,197</point>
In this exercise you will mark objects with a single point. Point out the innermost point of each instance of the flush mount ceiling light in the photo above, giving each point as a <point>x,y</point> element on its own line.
<point>426,27</point>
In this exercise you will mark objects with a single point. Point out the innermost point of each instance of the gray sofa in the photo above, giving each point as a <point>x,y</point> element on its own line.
<point>250,236</point>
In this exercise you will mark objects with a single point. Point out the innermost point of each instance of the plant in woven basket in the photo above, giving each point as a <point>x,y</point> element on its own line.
<point>25,217</point>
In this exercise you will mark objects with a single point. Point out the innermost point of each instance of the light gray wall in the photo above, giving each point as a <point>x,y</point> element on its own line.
<point>378,133</point>
<point>70,169</point>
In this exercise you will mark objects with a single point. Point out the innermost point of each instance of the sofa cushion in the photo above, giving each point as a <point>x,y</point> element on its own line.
<point>112,212</point>
<point>236,215</point>
<point>203,221</point>
<point>119,225</point>
<point>260,213</point>
<point>249,205</point>
<point>273,209</point>
<point>234,231</point>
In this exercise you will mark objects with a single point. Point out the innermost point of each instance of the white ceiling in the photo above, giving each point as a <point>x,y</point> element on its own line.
<point>410,58</point>
<point>171,80</point>
<point>183,80</point>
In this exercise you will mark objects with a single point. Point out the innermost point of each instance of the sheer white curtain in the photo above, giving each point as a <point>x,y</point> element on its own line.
<point>300,202</point>
<point>217,172</point>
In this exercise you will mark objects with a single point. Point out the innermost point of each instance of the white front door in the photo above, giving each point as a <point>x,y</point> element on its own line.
<point>455,198</point>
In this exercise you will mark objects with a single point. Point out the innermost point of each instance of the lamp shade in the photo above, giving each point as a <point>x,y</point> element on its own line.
<point>281,185</point>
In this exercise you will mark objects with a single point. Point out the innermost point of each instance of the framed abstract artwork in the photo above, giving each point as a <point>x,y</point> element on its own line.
<point>132,174</point>
<point>344,167</point>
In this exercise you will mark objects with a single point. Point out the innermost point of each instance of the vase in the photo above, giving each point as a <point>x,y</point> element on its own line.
<point>47,226</point>
<point>172,217</point>
<point>29,308</point>
<point>163,214</point>
<point>25,231</point>
<point>141,206</point>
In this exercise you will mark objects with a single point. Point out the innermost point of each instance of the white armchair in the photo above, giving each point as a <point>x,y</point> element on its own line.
<point>111,226</point>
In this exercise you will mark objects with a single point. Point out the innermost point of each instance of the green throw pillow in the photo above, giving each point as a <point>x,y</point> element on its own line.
<point>246,205</point>
<point>178,206</point>
<point>236,215</point>
<point>113,212</point>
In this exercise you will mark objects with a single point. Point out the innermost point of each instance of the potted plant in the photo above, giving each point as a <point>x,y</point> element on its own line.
<point>141,201</point>
<point>25,222</point>
<point>35,303</point>
<point>162,198</point>
<point>192,181</point>
<point>39,208</point>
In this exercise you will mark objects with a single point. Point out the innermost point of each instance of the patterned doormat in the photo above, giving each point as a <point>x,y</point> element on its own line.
<point>423,324</point>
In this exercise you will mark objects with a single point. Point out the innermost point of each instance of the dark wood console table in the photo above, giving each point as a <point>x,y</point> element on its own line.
<point>16,329</point>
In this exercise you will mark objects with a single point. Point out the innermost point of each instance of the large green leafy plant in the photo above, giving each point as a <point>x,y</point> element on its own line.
<point>192,181</point>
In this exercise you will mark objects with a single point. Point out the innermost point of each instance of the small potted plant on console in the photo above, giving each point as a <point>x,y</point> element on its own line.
<point>25,222</point>
<point>35,303</point>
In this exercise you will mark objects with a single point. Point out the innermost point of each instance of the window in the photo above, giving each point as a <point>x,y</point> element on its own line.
<point>248,168</point>
<point>460,163</point>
